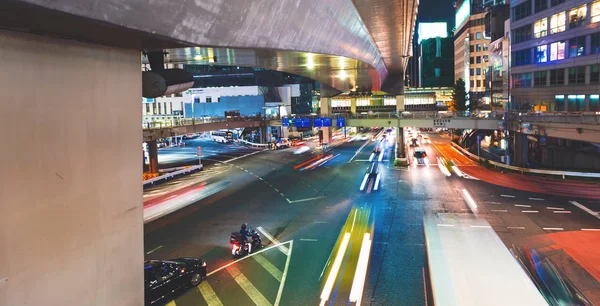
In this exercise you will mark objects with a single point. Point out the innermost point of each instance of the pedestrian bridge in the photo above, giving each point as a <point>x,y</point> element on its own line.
<point>420,120</point>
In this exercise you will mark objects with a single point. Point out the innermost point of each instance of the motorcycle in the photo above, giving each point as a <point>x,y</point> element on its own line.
<point>241,248</point>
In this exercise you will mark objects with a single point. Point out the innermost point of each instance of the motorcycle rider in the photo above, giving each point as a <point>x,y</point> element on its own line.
<point>245,234</point>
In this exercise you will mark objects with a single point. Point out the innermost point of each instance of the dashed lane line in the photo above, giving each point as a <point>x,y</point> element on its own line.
<point>530,211</point>
<point>507,196</point>
<point>248,287</point>
<point>516,227</point>
<point>591,229</point>
<point>521,205</point>
<point>536,199</point>
<point>154,250</point>
<point>500,210</point>
<point>265,263</point>
<point>495,203</point>
<point>209,295</point>
<point>562,211</point>
<point>555,208</point>
<point>309,239</point>
<point>553,228</point>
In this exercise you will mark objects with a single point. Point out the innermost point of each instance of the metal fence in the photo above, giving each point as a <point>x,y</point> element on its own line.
<point>195,121</point>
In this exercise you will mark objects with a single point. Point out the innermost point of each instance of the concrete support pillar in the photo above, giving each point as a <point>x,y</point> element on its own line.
<point>152,156</point>
<point>353,105</point>
<point>400,141</point>
<point>263,134</point>
<point>71,193</point>
<point>325,112</point>
<point>399,104</point>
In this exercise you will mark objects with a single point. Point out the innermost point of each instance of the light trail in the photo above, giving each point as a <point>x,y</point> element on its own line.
<point>360,275</point>
<point>364,182</point>
<point>377,181</point>
<point>469,200</point>
<point>335,268</point>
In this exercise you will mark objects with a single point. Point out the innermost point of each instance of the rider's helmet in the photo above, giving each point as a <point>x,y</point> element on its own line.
<point>244,226</point>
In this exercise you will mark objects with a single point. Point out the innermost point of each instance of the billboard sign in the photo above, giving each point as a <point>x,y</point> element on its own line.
<point>327,122</point>
<point>285,121</point>
<point>318,122</point>
<point>340,122</point>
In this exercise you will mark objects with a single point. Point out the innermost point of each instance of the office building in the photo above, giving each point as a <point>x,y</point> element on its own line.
<point>436,51</point>
<point>555,55</point>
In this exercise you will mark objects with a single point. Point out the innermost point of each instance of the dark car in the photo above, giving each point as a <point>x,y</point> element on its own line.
<point>163,279</point>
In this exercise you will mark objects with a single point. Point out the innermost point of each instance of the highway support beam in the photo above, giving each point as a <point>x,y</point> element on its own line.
<point>152,156</point>
<point>71,196</point>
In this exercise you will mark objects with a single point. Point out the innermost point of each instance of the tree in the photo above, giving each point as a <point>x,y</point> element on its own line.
<point>459,97</point>
<point>474,103</point>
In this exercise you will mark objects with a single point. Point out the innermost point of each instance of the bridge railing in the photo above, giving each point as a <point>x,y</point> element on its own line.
<point>194,121</point>
<point>253,144</point>
<point>558,117</point>
<point>423,115</point>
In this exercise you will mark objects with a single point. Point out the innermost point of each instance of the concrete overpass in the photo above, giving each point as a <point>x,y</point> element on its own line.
<point>72,197</point>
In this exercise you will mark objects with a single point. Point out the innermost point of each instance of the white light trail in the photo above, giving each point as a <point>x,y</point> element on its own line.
<point>380,156</point>
<point>364,182</point>
<point>377,181</point>
<point>360,275</point>
<point>371,157</point>
<point>335,268</point>
<point>469,200</point>
<point>458,172</point>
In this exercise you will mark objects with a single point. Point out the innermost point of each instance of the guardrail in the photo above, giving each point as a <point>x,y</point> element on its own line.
<point>558,117</point>
<point>264,145</point>
<point>171,175</point>
<point>528,170</point>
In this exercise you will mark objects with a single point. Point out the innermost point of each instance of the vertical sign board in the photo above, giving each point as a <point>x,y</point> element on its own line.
<point>199,151</point>
<point>285,121</point>
<point>318,122</point>
<point>340,122</point>
<point>327,122</point>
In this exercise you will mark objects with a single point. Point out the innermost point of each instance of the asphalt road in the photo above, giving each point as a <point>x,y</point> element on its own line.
<point>312,212</point>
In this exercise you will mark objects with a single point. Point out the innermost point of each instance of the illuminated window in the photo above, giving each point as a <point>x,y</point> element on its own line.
<point>557,77</point>
<point>576,102</point>
<point>539,78</point>
<point>540,28</point>
<point>577,46</point>
<point>522,80</point>
<point>478,35</point>
<point>594,102</point>
<point>557,51</point>
<point>559,103</point>
<point>478,48</point>
<point>595,12</point>
<point>541,54</point>
<point>577,16</point>
<point>485,47</point>
<point>557,23</point>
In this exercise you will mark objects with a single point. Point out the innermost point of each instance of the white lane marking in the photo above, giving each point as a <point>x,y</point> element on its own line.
<point>516,227</point>
<point>442,224</point>
<point>230,160</point>
<point>521,205</point>
<point>283,195</point>
<point>284,276</point>
<point>481,226</point>
<point>536,199</point>
<point>562,211</point>
<point>591,229</point>
<point>495,203</point>
<point>359,149</point>
<point>245,169</point>
<point>307,199</point>
<point>248,287</point>
<point>553,228</point>
<point>260,178</point>
<point>587,210</point>
<point>470,200</point>
<point>500,210</point>
<point>265,263</point>
<point>282,248</point>
<point>555,208</point>
<point>530,211</point>
<point>308,239</point>
<point>276,189</point>
<point>507,196</point>
<point>209,295</point>
<point>335,268</point>
<point>288,200</point>
<point>250,256</point>
<point>153,250</point>
<point>360,274</point>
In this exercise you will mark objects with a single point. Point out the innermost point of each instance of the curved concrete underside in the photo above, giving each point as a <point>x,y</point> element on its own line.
<point>274,34</point>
